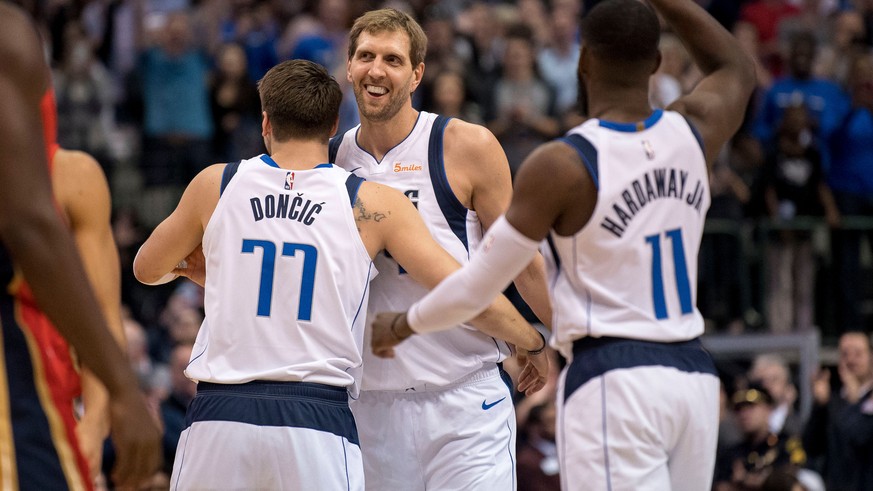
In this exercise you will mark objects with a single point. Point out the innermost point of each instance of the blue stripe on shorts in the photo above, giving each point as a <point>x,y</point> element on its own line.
<point>263,403</point>
<point>592,357</point>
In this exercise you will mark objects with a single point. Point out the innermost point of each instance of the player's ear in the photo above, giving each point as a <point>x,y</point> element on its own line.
<point>335,127</point>
<point>417,73</point>
<point>266,127</point>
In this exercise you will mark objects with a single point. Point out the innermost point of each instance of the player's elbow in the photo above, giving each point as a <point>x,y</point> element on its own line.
<point>143,271</point>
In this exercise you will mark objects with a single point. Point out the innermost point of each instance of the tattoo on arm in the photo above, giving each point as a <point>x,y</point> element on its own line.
<point>362,215</point>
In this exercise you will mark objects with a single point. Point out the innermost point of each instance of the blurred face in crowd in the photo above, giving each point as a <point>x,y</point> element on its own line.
<point>848,26</point>
<point>801,57</point>
<point>774,378</point>
<point>855,354</point>
<point>861,81</point>
<point>518,59</point>
<point>448,91</point>
<point>753,418</point>
<point>382,74</point>
<point>232,61</point>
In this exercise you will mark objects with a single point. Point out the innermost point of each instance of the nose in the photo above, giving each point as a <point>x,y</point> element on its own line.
<point>377,69</point>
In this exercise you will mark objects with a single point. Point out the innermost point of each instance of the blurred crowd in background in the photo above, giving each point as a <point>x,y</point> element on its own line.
<point>158,89</point>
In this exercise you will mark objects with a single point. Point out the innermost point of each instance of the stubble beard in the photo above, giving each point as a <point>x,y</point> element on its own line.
<point>396,100</point>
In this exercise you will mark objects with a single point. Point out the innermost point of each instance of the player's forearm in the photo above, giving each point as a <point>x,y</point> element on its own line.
<point>502,321</point>
<point>467,292</point>
<point>533,288</point>
<point>95,399</point>
<point>45,252</point>
<point>711,46</point>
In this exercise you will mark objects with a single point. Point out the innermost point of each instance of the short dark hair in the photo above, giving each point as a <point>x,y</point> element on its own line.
<point>622,30</point>
<point>301,99</point>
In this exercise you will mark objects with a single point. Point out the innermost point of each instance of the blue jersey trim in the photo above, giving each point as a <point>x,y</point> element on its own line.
<point>593,357</point>
<point>293,404</point>
<point>325,165</point>
<point>333,147</point>
<point>227,175</point>
<point>269,161</point>
<point>587,153</point>
<point>634,127</point>
<point>453,210</point>
<point>696,133</point>
<point>353,184</point>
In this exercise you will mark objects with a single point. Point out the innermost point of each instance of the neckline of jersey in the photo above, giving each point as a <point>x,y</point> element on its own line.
<point>272,163</point>
<point>634,127</point>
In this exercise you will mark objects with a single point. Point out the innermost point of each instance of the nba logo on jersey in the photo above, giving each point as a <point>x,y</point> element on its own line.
<point>289,181</point>
<point>650,152</point>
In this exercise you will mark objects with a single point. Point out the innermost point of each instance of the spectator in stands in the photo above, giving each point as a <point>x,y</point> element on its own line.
<point>765,16</point>
<point>485,37</point>
<point>748,464</point>
<point>772,372</point>
<point>236,107</point>
<point>178,124</point>
<point>824,99</point>
<point>668,83</point>
<point>835,56</point>
<point>443,48</point>
<point>794,186</point>
<point>449,98</point>
<point>173,408</point>
<point>557,60</point>
<point>839,434</point>
<point>537,453</point>
<point>524,102</point>
<point>851,179</point>
<point>85,98</point>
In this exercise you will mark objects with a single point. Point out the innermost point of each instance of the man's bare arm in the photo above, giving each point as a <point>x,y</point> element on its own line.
<point>43,249</point>
<point>82,192</point>
<point>717,104</point>
<point>388,220</point>
<point>181,232</point>
<point>472,151</point>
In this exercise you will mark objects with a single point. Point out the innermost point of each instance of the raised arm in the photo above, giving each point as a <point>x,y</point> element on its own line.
<point>717,104</point>
<point>83,194</point>
<point>477,165</point>
<point>43,249</point>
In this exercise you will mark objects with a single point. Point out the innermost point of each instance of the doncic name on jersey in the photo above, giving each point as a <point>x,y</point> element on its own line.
<point>287,206</point>
<point>657,184</point>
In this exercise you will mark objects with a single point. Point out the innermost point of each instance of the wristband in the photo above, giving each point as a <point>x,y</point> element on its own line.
<point>538,351</point>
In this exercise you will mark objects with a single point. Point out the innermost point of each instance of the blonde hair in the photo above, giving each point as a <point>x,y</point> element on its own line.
<point>390,20</point>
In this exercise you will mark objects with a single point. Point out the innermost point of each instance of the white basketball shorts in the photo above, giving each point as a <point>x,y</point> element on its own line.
<point>269,435</point>
<point>637,415</point>
<point>440,438</point>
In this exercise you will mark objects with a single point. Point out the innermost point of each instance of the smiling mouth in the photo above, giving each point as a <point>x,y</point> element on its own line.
<point>375,91</point>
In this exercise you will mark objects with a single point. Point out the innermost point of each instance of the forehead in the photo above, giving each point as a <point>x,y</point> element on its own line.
<point>854,342</point>
<point>384,42</point>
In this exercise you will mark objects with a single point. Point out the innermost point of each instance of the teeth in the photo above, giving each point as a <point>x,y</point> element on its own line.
<point>376,90</point>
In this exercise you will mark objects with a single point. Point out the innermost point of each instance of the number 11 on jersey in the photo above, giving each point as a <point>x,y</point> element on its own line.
<point>679,267</point>
<point>268,267</point>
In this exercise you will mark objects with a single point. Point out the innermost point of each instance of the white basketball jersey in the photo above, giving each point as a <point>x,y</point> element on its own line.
<point>286,278</point>
<point>415,167</point>
<point>631,271</point>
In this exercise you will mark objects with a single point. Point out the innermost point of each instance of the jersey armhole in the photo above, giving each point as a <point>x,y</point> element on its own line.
<point>353,184</point>
<point>587,153</point>
<point>696,134</point>
<point>333,147</point>
<point>227,175</point>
